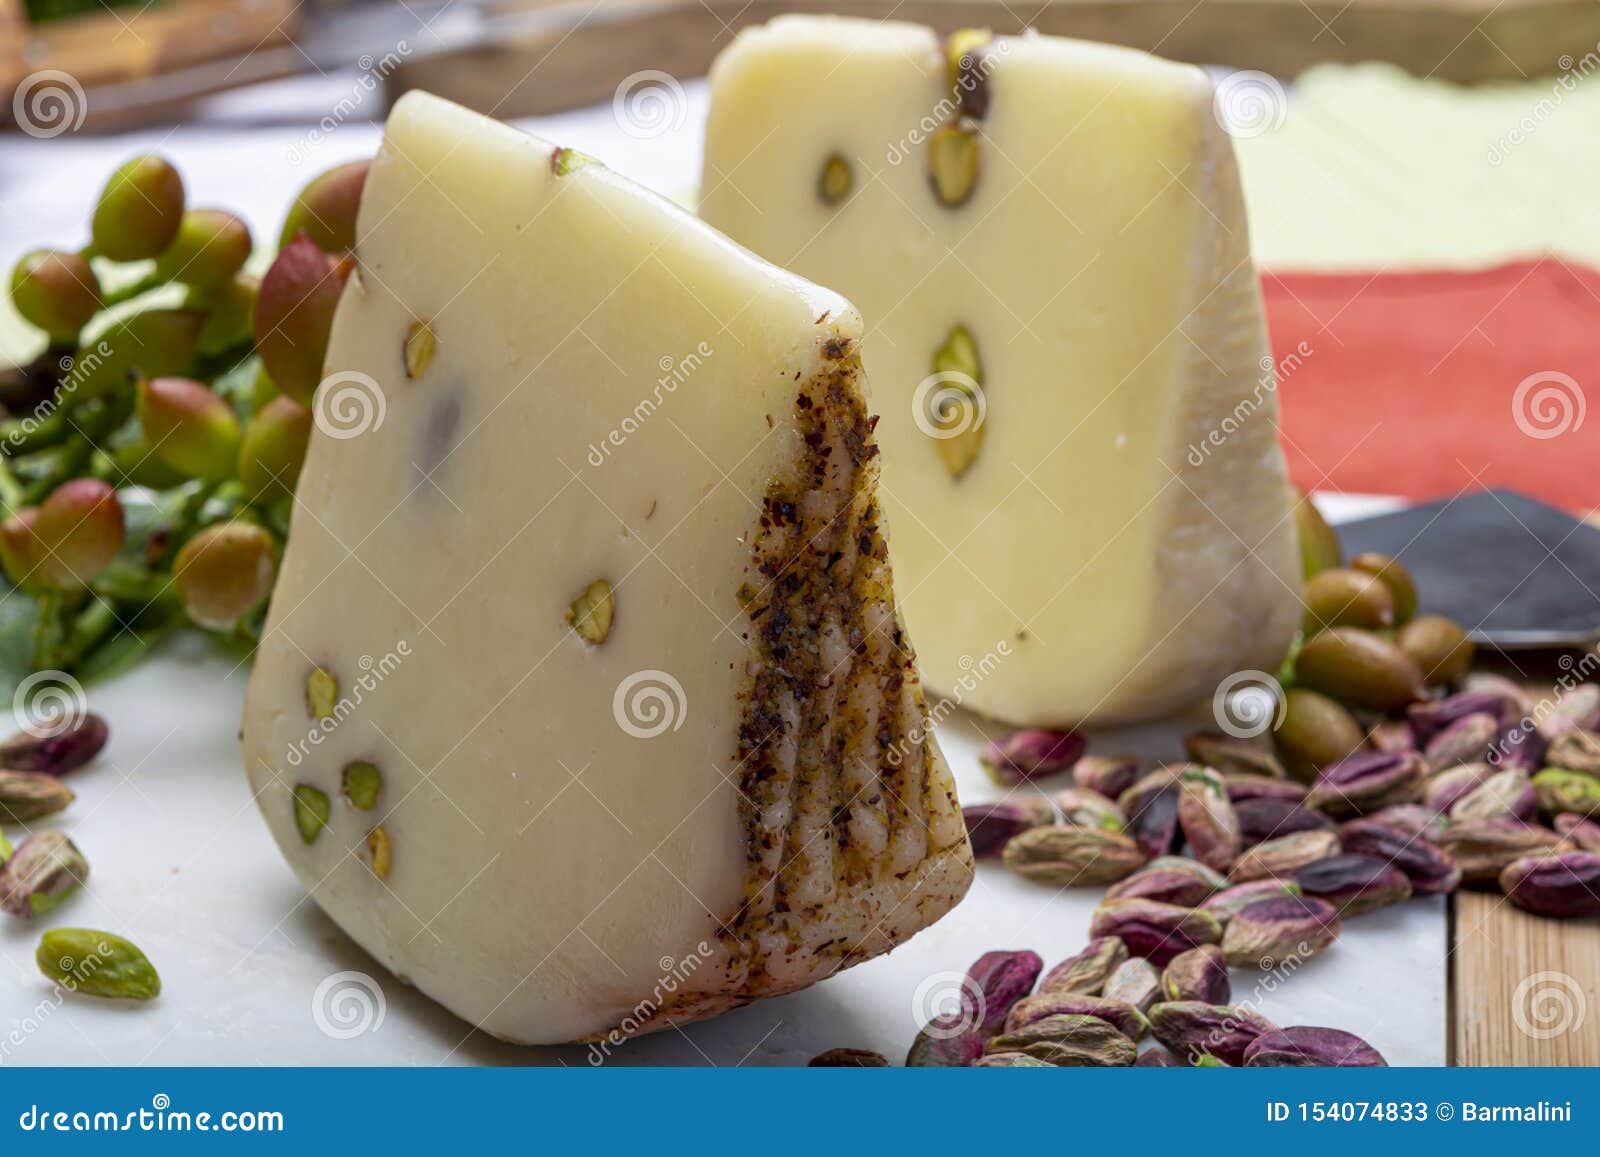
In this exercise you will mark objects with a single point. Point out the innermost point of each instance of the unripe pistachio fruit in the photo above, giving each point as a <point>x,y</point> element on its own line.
<point>326,208</point>
<point>224,572</point>
<point>211,246</point>
<point>294,315</point>
<point>56,291</point>
<point>139,211</point>
<point>274,449</point>
<point>189,427</point>
<point>78,531</point>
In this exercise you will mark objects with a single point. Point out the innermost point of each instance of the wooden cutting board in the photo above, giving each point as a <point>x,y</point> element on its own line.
<point>573,54</point>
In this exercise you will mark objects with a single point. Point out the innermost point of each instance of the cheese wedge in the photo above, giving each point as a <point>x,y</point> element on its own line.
<point>582,704</point>
<point>1065,339</point>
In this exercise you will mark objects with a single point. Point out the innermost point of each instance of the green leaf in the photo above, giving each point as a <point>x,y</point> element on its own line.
<point>19,620</point>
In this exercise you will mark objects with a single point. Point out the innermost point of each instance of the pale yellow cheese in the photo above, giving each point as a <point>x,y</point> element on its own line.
<point>732,794</point>
<point>1124,528</point>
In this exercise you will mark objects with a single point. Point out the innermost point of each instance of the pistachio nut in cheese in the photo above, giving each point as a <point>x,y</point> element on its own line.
<point>585,655</point>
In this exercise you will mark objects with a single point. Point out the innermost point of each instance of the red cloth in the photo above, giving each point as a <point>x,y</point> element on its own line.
<point>1425,384</point>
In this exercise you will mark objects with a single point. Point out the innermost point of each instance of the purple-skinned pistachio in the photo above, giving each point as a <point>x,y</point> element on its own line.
<point>1392,735</point>
<point>1087,809</point>
<point>1575,750</point>
<point>1121,1015</point>
<point>1069,857</point>
<point>1483,848</point>
<point>1268,932</point>
<point>1232,755</point>
<point>1158,1058</point>
<point>1504,795</point>
<point>1243,788</point>
<point>1151,808</point>
<point>949,1041</point>
<point>1069,1040</point>
<point>1088,971</point>
<point>56,745</point>
<point>1430,870</point>
<point>1445,789</point>
<point>45,869</point>
<point>1171,880</point>
<point>1024,756</point>
<point>1520,745</point>
<point>1198,974</point>
<point>848,1059</point>
<point>1284,855</point>
<point>1207,817</point>
<point>1192,1029</point>
<point>1155,931</point>
<point>1306,1046</point>
<point>30,795</point>
<point>1415,819</point>
<point>1577,708</point>
<point>1134,982</point>
<point>1467,740</point>
<point>1580,831</point>
<point>1353,883</point>
<point>999,980</point>
<point>1265,819</point>
<point>1432,716</point>
<point>1563,885</point>
<point>1107,775</point>
<point>1557,790</point>
<point>1010,1061</point>
<point>1513,696</point>
<point>1366,782</point>
<point>1227,904</point>
<point>991,826</point>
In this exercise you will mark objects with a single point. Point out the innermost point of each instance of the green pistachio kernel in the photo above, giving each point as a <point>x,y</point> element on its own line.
<point>362,782</point>
<point>97,964</point>
<point>590,613</point>
<point>310,811</point>
<point>322,692</point>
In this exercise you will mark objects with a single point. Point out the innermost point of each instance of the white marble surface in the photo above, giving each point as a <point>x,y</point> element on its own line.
<point>183,866</point>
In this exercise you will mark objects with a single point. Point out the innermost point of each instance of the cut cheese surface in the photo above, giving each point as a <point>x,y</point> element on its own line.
<point>1079,406</point>
<point>582,704</point>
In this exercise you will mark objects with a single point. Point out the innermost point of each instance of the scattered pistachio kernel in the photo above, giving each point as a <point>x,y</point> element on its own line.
<point>362,781</point>
<point>97,964</point>
<point>590,613</point>
<point>959,407</point>
<point>953,162</point>
<point>310,811</point>
<point>835,180</point>
<point>564,161</point>
<point>421,344</point>
<point>322,692</point>
<point>378,851</point>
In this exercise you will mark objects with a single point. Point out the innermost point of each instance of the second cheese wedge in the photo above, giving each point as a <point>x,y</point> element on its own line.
<point>583,704</point>
<point>1064,335</point>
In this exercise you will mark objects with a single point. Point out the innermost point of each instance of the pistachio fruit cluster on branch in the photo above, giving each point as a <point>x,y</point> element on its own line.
<point>149,453</point>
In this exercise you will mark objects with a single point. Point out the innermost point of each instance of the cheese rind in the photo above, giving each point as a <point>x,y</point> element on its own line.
<point>1122,524</point>
<point>644,829</point>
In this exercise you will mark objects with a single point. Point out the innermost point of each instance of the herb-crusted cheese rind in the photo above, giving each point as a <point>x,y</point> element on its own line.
<point>1065,341</point>
<point>601,588</point>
